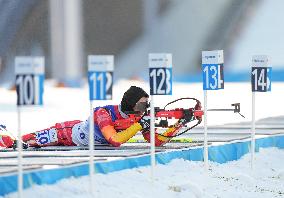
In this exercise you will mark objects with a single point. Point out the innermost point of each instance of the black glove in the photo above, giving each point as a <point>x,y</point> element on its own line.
<point>24,145</point>
<point>145,122</point>
<point>187,117</point>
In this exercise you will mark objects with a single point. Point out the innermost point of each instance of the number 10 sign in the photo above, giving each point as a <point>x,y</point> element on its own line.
<point>29,80</point>
<point>100,76</point>
<point>212,69</point>
<point>160,71</point>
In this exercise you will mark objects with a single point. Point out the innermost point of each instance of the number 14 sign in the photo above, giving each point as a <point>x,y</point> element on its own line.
<point>260,74</point>
<point>212,69</point>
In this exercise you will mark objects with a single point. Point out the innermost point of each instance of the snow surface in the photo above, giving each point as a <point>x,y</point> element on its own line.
<point>180,178</point>
<point>62,104</point>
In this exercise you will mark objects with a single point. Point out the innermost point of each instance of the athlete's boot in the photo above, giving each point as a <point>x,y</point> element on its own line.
<point>6,138</point>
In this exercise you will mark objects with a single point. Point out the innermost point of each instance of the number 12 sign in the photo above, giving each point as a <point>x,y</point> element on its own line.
<point>260,74</point>
<point>29,80</point>
<point>160,73</point>
<point>100,76</point>
<point>212,69</point>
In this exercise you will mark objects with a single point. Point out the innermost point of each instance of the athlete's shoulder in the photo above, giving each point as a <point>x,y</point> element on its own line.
<point>108,107</point>
<point>100,111</point>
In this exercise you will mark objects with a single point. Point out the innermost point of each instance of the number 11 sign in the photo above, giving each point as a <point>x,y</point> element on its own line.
<point>100,76</point>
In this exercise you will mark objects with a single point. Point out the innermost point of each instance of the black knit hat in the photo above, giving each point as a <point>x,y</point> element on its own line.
<point>131,97</point>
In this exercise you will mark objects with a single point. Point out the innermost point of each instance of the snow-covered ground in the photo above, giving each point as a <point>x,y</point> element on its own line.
<point>62,104</point>
<point>180,178</point>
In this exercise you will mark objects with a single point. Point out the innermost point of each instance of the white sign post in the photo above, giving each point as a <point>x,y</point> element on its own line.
<point>100,78</point>
<point>213,79</point>
<point>160,75</point>
<point>29,85</point>
<point>261,82</point>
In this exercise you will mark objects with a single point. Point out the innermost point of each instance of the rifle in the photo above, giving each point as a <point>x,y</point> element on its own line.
<point>163,115</point>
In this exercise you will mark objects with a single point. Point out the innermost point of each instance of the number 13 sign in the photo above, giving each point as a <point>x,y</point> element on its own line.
<point>212,69</point>
<point>160,71</point>
<point>100,76</point>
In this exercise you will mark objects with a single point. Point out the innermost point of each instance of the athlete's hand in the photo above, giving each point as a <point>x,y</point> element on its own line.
<point>145,122</point>
<point>187,117</point>
<point>196,108</point>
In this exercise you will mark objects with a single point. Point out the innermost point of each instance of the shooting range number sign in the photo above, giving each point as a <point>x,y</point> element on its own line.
<point>160,74</point>
<point>213,77</point>
<point>100,77</point>
<point>260,74</point>
<point>29,80</point>
<point>212,70</point>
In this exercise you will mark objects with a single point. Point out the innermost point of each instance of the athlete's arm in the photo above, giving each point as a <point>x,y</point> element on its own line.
<point>103,119</point>
<point>160,139</point>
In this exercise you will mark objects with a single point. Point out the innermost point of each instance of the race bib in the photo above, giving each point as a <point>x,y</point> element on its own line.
<point>46,136</point>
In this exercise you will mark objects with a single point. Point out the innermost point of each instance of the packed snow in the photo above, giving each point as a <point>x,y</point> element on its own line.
<point>180,178</point>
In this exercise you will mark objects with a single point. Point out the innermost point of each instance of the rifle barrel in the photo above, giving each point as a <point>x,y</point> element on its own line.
<point>220,109</point>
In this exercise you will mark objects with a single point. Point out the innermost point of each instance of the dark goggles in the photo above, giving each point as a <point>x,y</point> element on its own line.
<point>142,106</point>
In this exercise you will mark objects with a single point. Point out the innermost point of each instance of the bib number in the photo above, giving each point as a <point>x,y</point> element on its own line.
<point>46,136</point>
